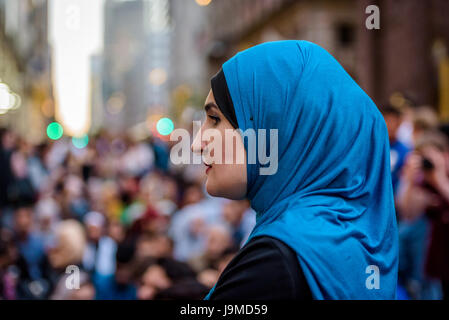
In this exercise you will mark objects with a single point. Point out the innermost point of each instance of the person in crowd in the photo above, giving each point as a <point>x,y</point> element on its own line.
<point>71,282</point>
<point>398,151</point>
<point>424,119</point>
<point>8,258</point>
<point>188,225</point>
<point>414,230</point>
<point>218,240</point>
<point>21,189</point>
<point>426,190</point>
<point>7,143</point>
<point>119,286</point>
<point>99,254</point>
<point>157,245</point>
<point>240,218</point>
<point>406,103</point>
<point>47,216</point>
<point>210,276</point>
<point>167,279</point>
<point>33,265</point>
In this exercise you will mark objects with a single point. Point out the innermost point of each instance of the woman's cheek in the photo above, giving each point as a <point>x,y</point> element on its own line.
<point>216,181</point>
<point>228,181</point>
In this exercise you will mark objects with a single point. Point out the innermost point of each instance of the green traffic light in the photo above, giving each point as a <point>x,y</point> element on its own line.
<point>54,131</point>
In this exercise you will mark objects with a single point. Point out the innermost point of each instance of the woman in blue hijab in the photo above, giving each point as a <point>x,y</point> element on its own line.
<point>326,225</point>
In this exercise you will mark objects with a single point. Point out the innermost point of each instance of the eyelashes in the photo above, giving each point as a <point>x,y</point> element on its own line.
<point>215,119</point>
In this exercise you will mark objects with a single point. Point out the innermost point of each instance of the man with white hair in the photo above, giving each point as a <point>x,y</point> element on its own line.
<point>99,256</point>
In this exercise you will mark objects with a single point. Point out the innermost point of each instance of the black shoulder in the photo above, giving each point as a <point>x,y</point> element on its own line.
<point>264,269</point>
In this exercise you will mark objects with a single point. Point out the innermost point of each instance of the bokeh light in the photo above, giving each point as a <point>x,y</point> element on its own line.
<point>55,131</point>
<point>158,76</point>
<point>165,126</point>
<point>116,103</point>
<point>80,142</point>
<point>9,100</point>
<point>203,2</point>
<point>5,97</point>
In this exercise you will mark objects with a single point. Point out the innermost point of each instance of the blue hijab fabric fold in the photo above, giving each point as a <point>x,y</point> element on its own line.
<point>331,199</point>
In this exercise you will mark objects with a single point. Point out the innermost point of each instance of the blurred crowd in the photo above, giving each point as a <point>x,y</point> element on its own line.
<point>419,153</point>
<point>117,215</point>
<point>138,227</point>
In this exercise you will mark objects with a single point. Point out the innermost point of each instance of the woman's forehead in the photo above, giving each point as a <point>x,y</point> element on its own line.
<point>210,97</point>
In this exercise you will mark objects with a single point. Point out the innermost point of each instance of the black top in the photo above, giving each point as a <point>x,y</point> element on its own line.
<point>264,269</point>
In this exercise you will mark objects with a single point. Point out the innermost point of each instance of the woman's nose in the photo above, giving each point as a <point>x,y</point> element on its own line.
<point>197,144</point>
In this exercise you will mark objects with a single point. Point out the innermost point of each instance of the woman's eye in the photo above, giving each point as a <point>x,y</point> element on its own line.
<point>214,118</point>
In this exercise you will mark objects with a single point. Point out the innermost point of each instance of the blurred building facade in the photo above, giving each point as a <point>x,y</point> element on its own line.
<point>136,61</point>
<point>124,63</point>
<point>25,66</point>
<point>189,67</point>
<point>160,54</point>
<point>238,25</point>
<point>96,93</point>
<point>407,54</point>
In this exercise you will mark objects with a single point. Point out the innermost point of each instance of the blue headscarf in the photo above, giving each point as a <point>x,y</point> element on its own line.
<point>331,199</point>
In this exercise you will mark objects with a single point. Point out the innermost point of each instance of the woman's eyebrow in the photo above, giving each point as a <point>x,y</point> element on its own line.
<point>210,105</point>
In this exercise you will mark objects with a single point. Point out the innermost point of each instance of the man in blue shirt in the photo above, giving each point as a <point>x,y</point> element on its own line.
<point>398,151</point>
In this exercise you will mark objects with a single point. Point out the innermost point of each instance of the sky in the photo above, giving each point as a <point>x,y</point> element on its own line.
<point>75,34</point>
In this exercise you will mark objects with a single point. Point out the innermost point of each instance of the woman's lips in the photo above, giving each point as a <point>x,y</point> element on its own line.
<point>208,167</point>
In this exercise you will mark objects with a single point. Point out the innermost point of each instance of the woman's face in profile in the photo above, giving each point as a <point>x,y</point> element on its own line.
<point>224,178</point>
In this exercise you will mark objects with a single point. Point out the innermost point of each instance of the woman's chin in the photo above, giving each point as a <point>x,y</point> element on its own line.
<point>219,191</point>
<point>211,189</point>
